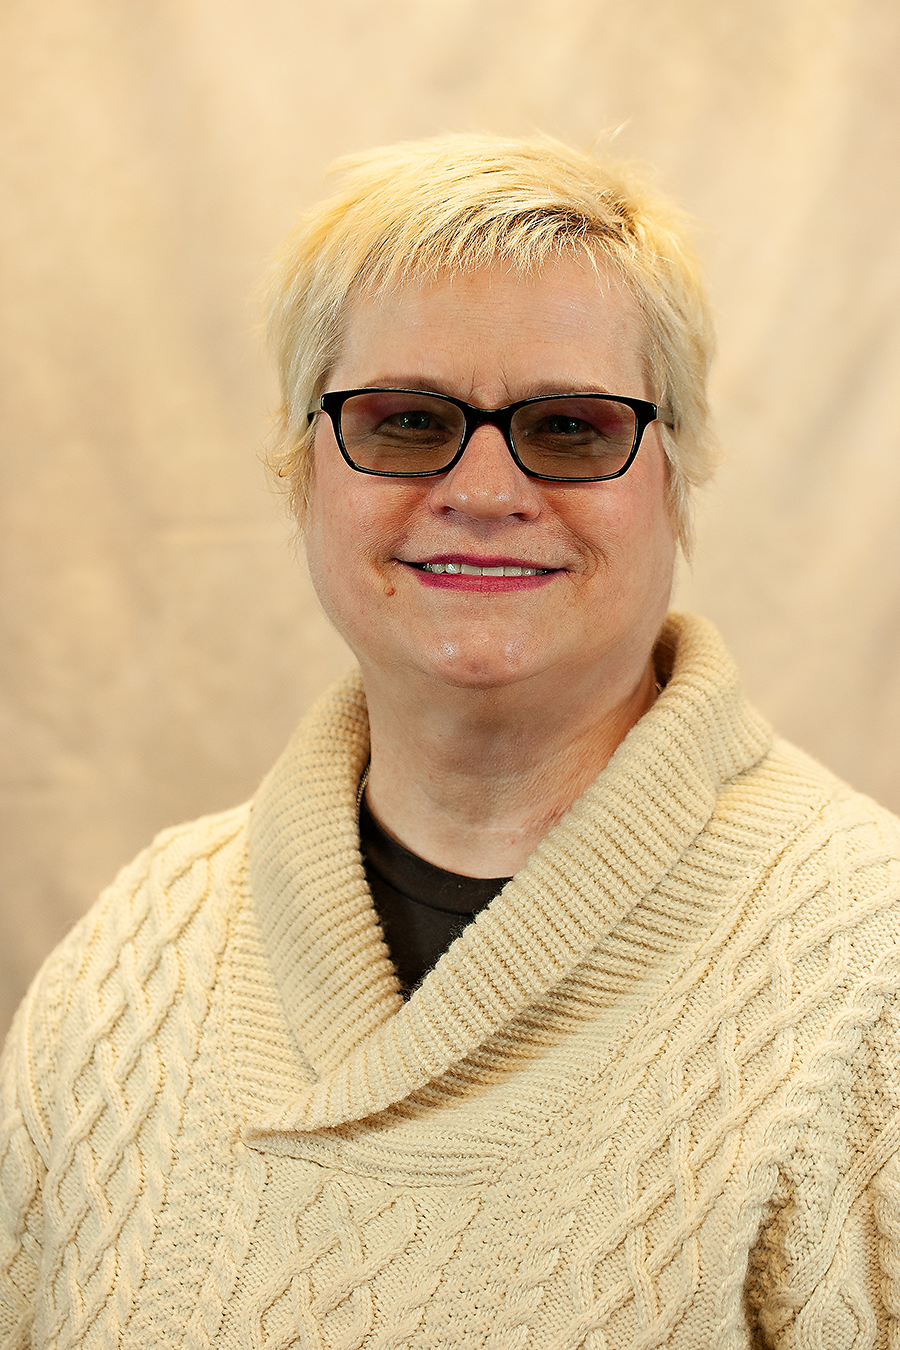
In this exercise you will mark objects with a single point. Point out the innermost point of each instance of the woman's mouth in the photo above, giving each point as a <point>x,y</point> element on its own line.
<point>471,570</point>
<point>488,575</point>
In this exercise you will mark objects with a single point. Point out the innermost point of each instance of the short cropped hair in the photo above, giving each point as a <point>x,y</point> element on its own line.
<point>425,209</point>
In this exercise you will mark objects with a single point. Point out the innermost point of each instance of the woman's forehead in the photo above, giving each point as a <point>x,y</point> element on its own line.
<point>570,324</point>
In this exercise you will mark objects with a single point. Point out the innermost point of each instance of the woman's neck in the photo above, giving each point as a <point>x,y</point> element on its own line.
<point>473,780</point>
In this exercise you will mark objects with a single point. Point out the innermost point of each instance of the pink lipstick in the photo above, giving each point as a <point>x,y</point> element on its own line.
<point>464,572</point>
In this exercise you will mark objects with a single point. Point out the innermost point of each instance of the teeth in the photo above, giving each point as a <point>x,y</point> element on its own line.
<point>467,570</point>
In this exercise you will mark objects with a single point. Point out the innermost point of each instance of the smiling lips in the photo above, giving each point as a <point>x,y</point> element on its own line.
<point>494,574</point>
<point>471,570</point>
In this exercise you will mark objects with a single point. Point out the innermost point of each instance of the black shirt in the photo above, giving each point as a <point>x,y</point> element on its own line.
<point>422,908</point>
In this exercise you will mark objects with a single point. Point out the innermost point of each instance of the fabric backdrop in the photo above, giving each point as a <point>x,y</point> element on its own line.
<point>159,638</point>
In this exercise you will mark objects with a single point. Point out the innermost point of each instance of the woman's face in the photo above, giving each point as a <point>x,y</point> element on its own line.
<point>605,550</point>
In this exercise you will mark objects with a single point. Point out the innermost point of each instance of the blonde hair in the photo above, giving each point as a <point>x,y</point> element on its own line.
<point>453,204</point>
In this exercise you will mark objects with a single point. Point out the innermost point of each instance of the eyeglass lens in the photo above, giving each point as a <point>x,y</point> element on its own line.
<point>575,437</point>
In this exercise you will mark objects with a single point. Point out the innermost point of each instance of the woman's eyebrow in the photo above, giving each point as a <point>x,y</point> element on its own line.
<point>529,389</point>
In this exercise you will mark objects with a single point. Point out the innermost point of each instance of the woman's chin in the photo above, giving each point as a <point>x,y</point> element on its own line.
<point>469,663</point>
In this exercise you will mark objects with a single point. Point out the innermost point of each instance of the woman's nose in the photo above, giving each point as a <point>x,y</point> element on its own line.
<point>487,483</point>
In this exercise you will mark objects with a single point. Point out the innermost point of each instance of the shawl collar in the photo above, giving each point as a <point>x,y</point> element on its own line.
<point>616,843</point>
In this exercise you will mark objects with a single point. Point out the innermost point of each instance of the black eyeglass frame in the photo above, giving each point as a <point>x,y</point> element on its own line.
<point>644,412</point>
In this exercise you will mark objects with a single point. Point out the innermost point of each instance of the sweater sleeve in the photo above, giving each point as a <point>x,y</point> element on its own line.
<point>99,1054</point>
<point>30,1087</point>
<point>21,1177</point>
<point>826,1267</point>
<point>886,1185</point>
<point>27,1078</point>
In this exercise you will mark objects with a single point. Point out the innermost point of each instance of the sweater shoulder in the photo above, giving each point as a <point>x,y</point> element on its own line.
<point>787,795</point>
<point>152,898</point>
<point>829,848</point>
<point>797,775</point>
<point>168,878</point>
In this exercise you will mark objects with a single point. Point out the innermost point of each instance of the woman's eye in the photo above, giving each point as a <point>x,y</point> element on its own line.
<point>413,425</point>
<point>412,421</point>
<point>565,426</point>
<point>558,426</point>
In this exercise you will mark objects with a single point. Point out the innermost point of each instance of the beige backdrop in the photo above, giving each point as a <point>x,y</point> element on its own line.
<point>158,638</point>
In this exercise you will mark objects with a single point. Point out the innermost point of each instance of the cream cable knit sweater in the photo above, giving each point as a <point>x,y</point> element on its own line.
<point>650,1097</point>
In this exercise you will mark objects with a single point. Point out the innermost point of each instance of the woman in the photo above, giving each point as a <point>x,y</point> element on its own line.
<point>541,997</point>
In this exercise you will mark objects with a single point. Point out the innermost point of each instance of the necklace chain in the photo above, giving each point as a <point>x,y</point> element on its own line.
<point>362,786</point>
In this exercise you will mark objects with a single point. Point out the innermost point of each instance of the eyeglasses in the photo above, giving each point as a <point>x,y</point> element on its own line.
<point>567,438</point>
